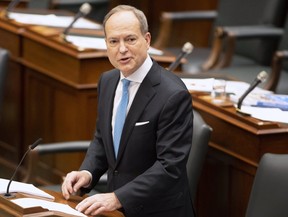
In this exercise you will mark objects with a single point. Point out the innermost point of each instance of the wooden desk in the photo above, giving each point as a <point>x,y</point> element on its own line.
<point>8,209</point>
<point>236,146</point>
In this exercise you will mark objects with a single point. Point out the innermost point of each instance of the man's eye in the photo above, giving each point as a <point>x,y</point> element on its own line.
<point>113,42</point>
<point>131,40</point>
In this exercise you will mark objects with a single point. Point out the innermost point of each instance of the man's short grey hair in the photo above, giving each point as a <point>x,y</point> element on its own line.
<point>138,13</point>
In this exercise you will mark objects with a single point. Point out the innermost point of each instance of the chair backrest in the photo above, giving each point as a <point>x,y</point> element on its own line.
<point>37,177</point>
<point>284,44</point>
<point>4,54</point>
<point>201,137</point>
<point>256,12</point>
<point>44,4</point>
<point>269,194</point>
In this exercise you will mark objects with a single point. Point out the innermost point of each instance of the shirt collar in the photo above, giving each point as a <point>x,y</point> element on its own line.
<point>139,75</point>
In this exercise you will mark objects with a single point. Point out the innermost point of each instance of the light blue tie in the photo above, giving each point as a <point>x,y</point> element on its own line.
<point>121,115</point>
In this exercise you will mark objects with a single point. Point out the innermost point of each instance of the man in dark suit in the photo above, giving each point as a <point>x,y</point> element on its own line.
<point>147,172</point>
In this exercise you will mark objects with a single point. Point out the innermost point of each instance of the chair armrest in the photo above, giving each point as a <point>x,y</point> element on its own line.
<point>282,54</point>
<point>62,147</point>
<point>230,34</point>
<point>277,61</point>
<point>189,15</point>
<point>51,148</point>
<point>168,18</point>
<point>250,31</point>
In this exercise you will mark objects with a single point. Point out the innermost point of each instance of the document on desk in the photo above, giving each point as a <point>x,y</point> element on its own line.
<point>267,114</point>
<point>261,104</point>
<point>98,43</point>
<point>234,88</point>
<point>273,101</point>
<point>201,84</point>
<point>53,20</point>
<point>52,206</point>
<point>22,188</point>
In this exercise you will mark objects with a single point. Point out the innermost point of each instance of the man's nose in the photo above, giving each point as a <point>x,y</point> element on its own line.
<point>122,48</point>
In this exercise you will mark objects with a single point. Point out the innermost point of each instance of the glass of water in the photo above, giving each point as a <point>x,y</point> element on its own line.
<point>218,92</point>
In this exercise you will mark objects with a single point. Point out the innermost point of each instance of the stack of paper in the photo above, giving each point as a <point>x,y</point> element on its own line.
<point>30,189</point>
<point>266,114</point>
<point>52,206</point>
<point>22,188</point>
<point>53,20</point>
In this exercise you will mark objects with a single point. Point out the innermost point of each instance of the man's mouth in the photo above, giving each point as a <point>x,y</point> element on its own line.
<point>124,60</point>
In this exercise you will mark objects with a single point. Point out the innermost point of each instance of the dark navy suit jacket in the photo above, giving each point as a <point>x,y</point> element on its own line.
<point>149,175</point>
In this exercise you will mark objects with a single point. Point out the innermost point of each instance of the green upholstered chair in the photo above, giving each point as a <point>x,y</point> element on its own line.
<point>229,13</point>
<point>269,194</point>
<point>277,69</point>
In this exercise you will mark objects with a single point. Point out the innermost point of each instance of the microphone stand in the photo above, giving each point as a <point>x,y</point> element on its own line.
<point>83,11</point>
<point>186,49</point>
<point>11,5</point>
<point>31,147</point>
<point>261,77</point>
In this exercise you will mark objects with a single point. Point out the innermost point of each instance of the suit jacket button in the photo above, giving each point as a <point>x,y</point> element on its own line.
<point>115,173</point>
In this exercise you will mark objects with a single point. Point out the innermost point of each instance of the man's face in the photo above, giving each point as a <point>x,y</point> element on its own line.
<point>126,46</point>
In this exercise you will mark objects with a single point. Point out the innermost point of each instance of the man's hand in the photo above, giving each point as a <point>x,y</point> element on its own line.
<point>74,181</point>
<point>99,203</point>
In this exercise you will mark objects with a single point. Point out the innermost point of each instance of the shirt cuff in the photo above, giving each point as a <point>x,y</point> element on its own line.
<point>88,185</point>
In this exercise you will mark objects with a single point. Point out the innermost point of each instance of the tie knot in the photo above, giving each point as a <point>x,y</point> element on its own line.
<point>125,83</point>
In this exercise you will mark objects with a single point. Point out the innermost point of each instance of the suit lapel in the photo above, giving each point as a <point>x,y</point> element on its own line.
<point>109,95</point>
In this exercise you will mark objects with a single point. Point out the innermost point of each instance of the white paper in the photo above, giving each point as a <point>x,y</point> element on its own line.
<point>52,206</point>
<point>194,84</point>
<point>266,114</point>
<point>155,51</point>
<point>235,88</point>
<point>22,188</point>
<point>53,20</point>
<point>86,42</point>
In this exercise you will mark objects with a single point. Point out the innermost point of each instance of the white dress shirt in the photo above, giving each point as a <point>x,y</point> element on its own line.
<point>135,80</point>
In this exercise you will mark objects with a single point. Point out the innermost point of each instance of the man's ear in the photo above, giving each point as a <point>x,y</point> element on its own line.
<point>148,38</point>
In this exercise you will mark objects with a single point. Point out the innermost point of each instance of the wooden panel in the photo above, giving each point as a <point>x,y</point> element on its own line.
<point>57,112</point>
<point>236,146</point>
<point>10,37</point>
<point>11,118</point>
<point>11,122</point>
<point>63,66</point>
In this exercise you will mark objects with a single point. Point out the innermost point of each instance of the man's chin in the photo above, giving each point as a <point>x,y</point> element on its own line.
<point>126,70</point>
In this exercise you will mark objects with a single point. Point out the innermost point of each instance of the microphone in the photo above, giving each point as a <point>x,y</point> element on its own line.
<point>31,147</point>
<point>186,49</point>
<point>83,11</point>
<point>10,7</point>
<point>261,77</point>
